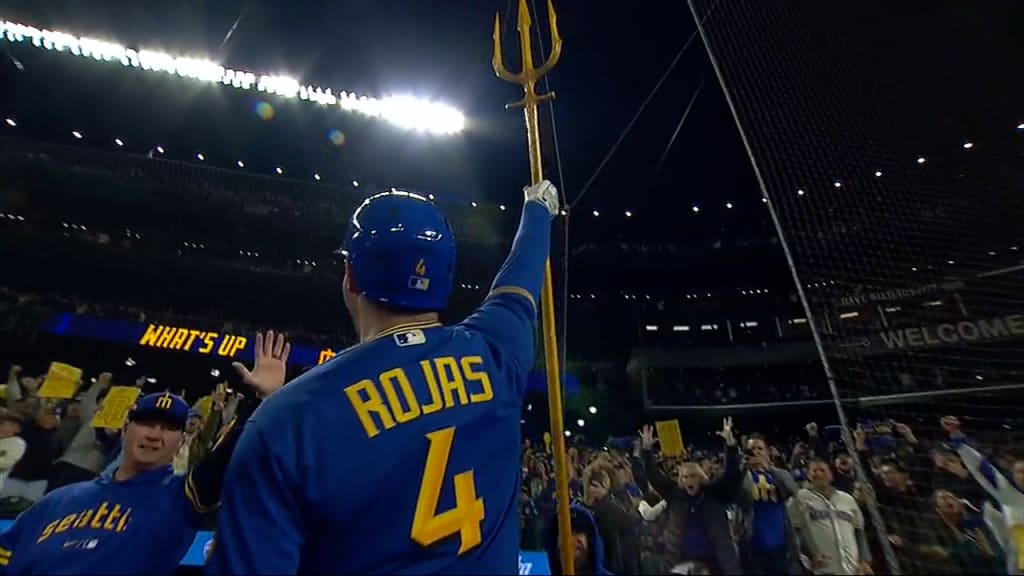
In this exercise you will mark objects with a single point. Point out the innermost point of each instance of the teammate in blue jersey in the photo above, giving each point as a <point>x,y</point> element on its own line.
<point>142,518</point>
<point>401,454</point>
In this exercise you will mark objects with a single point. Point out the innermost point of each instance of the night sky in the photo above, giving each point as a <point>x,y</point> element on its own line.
<point>613,58</point>
<point>940,77</point>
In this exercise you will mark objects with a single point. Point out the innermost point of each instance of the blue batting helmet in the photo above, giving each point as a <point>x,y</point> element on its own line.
<point>401,251</point>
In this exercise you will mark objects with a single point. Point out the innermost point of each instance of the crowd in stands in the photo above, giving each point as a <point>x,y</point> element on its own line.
<point>945,505</point>
<point>939,503</point>
<point>47,443</point>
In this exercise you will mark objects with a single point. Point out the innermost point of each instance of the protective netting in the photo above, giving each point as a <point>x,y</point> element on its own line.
<point>887,142</point>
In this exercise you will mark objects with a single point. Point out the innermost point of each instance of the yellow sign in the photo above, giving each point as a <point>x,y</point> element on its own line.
<point>671,438</point>
<point>188,340</point>
<point>204,405</point>
<point>114,411</point>
<point>547,442</point>
<point>61,381</point>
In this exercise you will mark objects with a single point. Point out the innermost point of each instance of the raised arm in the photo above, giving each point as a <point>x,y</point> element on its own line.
<point>205,481</point>
<point>984,473</point>
<point>508,315</point>
<point>658,479</point>
<point>727,486</point>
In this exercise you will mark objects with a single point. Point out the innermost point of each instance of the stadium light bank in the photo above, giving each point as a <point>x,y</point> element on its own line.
<point>404,111</point>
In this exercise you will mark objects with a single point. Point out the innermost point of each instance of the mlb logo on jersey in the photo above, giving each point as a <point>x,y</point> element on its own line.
<point>410,338</point>
<point>419,283</point>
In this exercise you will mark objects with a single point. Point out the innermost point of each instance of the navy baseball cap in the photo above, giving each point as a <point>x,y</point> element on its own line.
<point>162,406</point>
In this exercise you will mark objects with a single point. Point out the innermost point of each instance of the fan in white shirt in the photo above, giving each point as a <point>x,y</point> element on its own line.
<point>12,447</point>
<point>830,525</point>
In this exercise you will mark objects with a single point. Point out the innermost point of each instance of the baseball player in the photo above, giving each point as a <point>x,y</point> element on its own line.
<point>830,525</point>
<point>401,454</point>
<point>142,518</point>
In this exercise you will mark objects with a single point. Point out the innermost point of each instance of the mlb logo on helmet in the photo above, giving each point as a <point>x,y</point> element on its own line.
<point>417,283</point>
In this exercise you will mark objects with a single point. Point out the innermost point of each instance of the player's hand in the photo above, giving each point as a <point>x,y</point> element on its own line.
<point>270,364</point>
<point>545,193</point>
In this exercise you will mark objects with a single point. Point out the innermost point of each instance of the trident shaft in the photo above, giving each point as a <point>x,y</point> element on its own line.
<point>527,78</point>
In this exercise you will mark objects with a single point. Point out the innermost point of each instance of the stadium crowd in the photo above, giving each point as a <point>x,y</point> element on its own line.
<point>47,443</point>
<point>943,506</point>
<point>946,504</point>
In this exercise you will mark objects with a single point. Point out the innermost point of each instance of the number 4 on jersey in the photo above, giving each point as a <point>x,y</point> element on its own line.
<point>429,527</point>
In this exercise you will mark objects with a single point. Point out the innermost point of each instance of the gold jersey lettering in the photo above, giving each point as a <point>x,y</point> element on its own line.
<point>451,381</point>
<point>435,392</point>
<point>104,517</point>
<point>472,374</point>
<point>326,355</point>
<point>402,414</point>
<point>367,402</point>
<point>393,398</point>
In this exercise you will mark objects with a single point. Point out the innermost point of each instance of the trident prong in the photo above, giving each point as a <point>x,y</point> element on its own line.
<point>529,75</point>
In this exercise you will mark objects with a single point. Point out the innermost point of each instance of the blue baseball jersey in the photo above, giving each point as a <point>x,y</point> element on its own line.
<point>401,454</point>
<point>143,525</point>
<point>768,531</point>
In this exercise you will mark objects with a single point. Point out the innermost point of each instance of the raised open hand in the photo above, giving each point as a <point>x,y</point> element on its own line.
<point>269,366</point>
<point>647,438</point>
<point>726,431</point>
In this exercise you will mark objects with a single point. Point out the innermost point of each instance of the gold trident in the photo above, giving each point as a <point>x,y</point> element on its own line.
<point>527,78</point>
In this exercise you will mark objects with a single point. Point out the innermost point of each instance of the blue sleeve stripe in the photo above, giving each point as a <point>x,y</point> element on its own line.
<point>988,472</point>
<point>515,290</point>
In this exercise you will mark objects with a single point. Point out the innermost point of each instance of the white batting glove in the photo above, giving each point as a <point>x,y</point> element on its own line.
<point>545,193</point>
